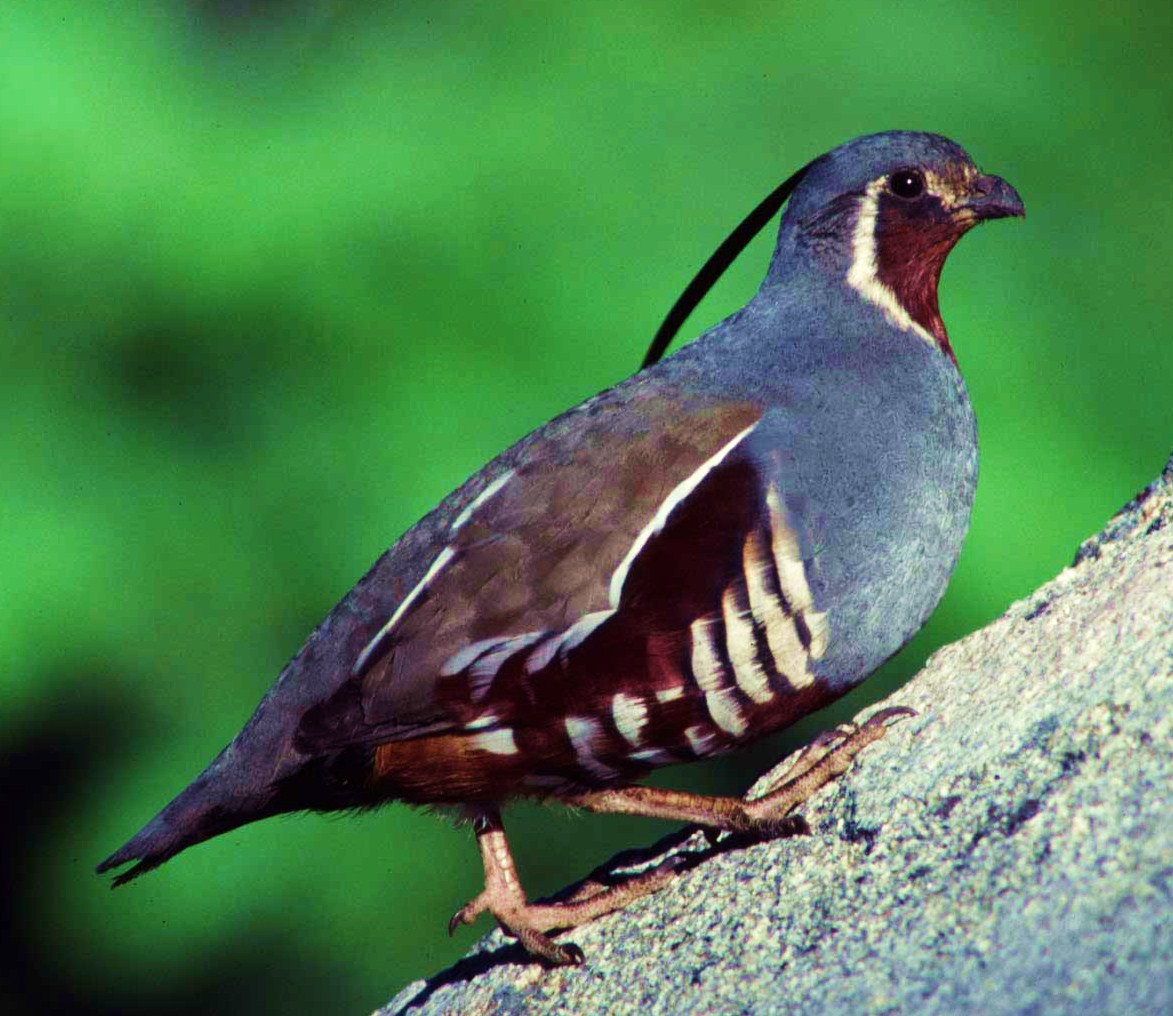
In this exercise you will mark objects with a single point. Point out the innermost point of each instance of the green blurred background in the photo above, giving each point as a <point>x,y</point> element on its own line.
<point>277,276</point>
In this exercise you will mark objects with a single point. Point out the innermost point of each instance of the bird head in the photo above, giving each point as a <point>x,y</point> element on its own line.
<point>883,212</point>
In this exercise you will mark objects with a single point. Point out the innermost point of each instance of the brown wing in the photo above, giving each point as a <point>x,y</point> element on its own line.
<point>534,555</point>
<point>710,636</point>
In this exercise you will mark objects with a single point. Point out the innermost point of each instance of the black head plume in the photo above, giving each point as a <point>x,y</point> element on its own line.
<point>714,268</point>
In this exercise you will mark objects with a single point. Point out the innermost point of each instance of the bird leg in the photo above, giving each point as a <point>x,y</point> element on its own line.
<point>827,757</point>
<point>504,898</point>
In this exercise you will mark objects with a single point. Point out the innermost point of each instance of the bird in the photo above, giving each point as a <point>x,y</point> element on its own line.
<point>717,546</point>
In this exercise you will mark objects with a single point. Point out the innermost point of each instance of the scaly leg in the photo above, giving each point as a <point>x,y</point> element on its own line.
<point>827,757</point>
<point>504,898</point>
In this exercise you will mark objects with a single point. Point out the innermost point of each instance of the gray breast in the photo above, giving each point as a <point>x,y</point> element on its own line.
<point>881,449</point>
<point>890,466</point>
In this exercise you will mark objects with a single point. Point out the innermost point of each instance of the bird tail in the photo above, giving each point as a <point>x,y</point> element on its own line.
<point>209,806</point>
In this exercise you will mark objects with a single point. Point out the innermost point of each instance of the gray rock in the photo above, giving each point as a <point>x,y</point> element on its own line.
<point>1009,850</point>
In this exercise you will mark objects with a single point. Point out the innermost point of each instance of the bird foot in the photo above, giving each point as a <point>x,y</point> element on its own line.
<point>764,815</point>
<point>530,923</point>
<point>827,757</point>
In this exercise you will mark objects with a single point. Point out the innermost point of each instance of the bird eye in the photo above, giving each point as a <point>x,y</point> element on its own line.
<point>907,184</point>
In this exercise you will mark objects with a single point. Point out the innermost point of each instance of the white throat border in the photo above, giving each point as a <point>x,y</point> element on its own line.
<point>863,275</point>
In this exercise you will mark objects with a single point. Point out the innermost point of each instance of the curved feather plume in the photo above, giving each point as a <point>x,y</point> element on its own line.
<point>714,268</point>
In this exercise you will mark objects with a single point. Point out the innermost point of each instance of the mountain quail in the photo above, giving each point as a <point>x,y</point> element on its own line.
<point>690,560</point>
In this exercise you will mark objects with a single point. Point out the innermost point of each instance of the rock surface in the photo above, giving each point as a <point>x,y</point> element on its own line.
<point>1009,850</point>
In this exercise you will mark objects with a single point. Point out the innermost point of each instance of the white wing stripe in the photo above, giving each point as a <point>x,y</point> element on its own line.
<point>481,498</point>
<point>678,494</point>
<point>372,647</point>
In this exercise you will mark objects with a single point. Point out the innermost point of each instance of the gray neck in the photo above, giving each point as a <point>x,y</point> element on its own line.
<point>822,242</point>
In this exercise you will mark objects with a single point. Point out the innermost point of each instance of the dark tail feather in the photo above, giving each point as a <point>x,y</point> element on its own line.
<point>205,809</point>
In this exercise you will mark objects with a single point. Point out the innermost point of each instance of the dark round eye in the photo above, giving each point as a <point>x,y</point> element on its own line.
<point>907,183</point>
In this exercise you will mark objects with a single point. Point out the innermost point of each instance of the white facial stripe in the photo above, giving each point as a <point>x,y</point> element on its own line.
<point>630,714</point>
<point>678,494</point>
<point>583,733</point>
<point>935,185</point>
<point>742,647</point>
<point>950,193</point>
<point>497,742</point>
<point>863,277</point>
<point>373,647</point>
<point>669,694</point>
<point>481,498</point>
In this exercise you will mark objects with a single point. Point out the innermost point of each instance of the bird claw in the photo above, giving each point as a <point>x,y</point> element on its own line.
<point>572,955</point>
<point>467,914</point>
<point>881,717</point>
<point>828,756</point>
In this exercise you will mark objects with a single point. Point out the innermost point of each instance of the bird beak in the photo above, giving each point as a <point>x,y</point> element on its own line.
<point>991,197</point>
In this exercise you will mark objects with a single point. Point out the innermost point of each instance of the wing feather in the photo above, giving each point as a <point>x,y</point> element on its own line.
<point>528,560</point>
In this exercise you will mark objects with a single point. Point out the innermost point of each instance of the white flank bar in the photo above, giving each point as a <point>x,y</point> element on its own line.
<point>741,644</point>
<point>497,742</point>
<point>571,638</point>
<point>630,714</point>
<point>459,660</point>
<point>583,733</point>
<point>816,623</point>
<point>725,711</point>
<point>701,741</point>
<point>787,556</point>
<point>653,757</point>
<point>786,649</point>
<point>485,668</point>
<point>707,667</point>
